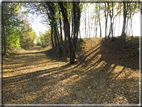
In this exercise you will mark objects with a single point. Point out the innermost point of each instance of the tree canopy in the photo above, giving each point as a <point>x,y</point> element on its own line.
<point>64,21</point>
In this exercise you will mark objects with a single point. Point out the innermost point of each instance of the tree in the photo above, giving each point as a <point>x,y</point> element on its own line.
<point>28,35</point>
<point>123,34</point>
<point>41,38</point>
<point>85,23</point>
<point>67,29</point>
<point>10,26</point>
<point>111,19</point>
<point>98,16</point>
<point>51,11</point>
<point>46,37</point>
<point>106,19</point>
<point>110,11</point>
<point>132,8</point>
<point>76,15</point>
<point>60,28</point>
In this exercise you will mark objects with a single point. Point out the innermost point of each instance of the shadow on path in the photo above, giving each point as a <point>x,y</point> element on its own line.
<point>104,77</point>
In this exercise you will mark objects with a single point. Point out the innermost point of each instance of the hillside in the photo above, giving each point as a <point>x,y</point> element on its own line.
<point>105,72</point>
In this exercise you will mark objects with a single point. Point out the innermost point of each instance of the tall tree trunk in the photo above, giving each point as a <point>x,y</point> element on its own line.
<point>74,33</point>
<point>76,11</point>
<point>41,39</point>
<point>105,21</point>
<point>4,41</point>
<point>119,26</point>
<point>88,24</point>
<point>110,29</point>
<point>100,28</point>
<point>106,18</point>
<point>52,37</point>
<point>66,43</point>
<point>123,34</point>
<point>85,25</point>
<point>60,28</point>
<point>127,28</point>
<point>79,34</point>
<point>72,27</point>
<point>112,23</point>
<point>56,36</point>
<point>3,35</point>
<point>67,24</point>
<point>100,22</point>
<point>131,27</point>
<point>96,27</point>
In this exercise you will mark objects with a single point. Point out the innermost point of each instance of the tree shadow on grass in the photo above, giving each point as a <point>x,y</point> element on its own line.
<point>118,53</point>
<point>118,63</point>
<point>100,81</point>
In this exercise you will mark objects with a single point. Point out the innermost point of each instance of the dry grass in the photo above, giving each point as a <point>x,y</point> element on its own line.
<point>105,73</point>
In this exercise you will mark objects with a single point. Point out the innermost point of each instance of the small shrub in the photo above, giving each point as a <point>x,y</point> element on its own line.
<point>68,59</point>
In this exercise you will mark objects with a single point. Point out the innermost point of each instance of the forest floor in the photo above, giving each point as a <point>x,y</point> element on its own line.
<point>105,72</point>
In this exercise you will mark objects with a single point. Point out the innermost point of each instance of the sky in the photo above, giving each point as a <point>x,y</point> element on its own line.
<point>39,27</point>
<point>117,24</point>
<point>36,23</point>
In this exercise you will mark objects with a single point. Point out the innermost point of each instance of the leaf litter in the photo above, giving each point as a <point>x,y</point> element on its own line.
<point>36,76</point>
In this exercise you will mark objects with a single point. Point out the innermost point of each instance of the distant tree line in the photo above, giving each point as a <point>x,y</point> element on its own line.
<point>16,30</point>
<point>64,18</point>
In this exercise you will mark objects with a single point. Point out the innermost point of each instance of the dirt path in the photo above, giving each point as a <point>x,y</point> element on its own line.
<point>25,76</point>
<point>27,61</point>
<point>32,77</point>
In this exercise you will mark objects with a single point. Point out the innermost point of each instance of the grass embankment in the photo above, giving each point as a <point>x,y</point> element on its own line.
<point>105,72</point>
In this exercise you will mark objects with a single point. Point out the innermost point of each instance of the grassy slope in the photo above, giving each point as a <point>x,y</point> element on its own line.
<point>112,63</point>
<point>117,53</point>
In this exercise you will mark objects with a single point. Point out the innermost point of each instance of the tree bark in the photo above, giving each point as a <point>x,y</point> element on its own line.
<point>4,41</point>
<point>52,37</point>
<point>119,26</point>
<point>67,24</point>
<point>56,36</point>
<point>131,27</point>
<point>66,45</point>
<point>3,35</point>
<point>100,23</point>
<point>112,23</point>
<point>88,24</point>
<point>106,17</point>
<point>123,34</point>
<point>110,29</point>
<point>85,25</point>
<point>60,28</point>
<point>96,26</point>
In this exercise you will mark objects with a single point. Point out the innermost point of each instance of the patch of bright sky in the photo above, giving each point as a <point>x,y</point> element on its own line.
<point>39,27</point>
<point>117,24</point>
<point>36,24</point>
